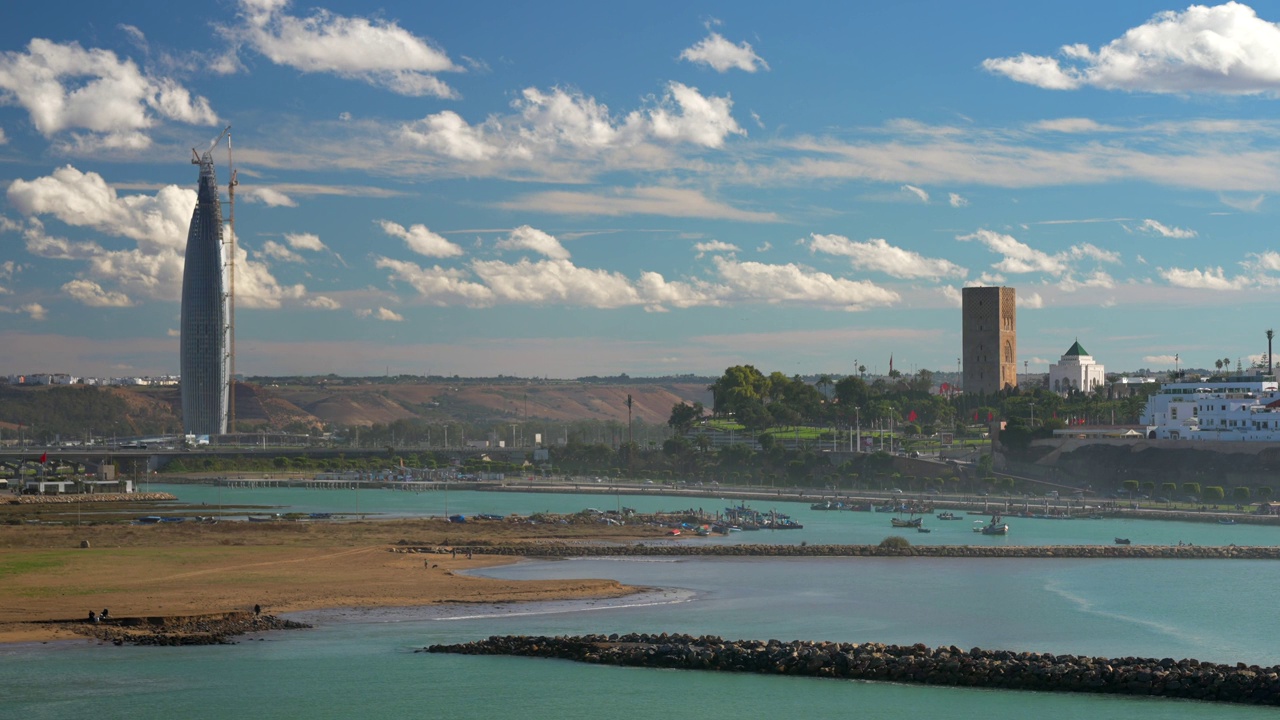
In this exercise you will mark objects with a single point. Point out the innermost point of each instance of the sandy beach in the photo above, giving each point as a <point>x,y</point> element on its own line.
<point>47,578</point>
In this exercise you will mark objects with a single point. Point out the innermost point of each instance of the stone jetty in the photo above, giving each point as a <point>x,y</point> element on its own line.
<point>979,668</point>
<point>215,629</point>
<point>72,498</point>
<point>668,549</point>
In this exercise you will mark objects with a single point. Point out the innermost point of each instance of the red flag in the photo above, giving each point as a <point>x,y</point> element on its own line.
<point>911,417</point>
<point>43,457</point>
<point>975,416</point>
<point>990,416</point>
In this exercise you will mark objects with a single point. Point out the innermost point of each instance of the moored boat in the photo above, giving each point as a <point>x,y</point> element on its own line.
<point>900,523</point>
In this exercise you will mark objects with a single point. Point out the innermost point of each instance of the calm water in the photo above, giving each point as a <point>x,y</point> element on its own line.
<point>820,527</point>
<point>361,664</point>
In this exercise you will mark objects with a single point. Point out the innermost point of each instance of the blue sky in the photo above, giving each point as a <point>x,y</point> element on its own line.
<point>655,188</point>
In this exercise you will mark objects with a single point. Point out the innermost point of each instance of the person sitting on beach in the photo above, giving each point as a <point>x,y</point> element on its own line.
<point>104,614</point>
<point>93,617</point>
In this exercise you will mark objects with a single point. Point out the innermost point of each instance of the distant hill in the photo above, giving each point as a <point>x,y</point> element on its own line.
<point>75,411</point>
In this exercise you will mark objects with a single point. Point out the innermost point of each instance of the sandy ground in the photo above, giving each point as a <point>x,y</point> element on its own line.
<point>140,571</point>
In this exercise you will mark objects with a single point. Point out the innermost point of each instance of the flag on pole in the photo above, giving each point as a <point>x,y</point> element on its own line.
<point>990,416</point>
<point>911,417</point>
<point>975,416</point>
<point>43,457</point>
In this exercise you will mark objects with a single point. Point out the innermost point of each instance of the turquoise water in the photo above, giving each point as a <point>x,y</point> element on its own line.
<point>820,527</point>
<point>360,663</point>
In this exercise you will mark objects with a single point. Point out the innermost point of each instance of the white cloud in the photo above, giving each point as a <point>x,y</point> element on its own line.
<point>304,241</point>
<point>723,56</point>
<point>421,240</point>
<point>322,302</point>
<point>1154,226</point>
<point>382,314</point>
<point>918,192</point>
<point>528,238</point>
<point>1160,359</point>
<point>1088,250</point>
<point>790,283</point>
<point>157,223</point>
<point>952,295</point>
<point>714,246</point>
<point>670,202</point>
<point>560,282</point>
<point>4,139</point>
<point>173,333</point>
<point>1225,49</point>
<point>1207,279</point>
<point>765,246</point>
<point>64,87</point>
<point>268,196</point>
<point>1246,204</point>
<point>560,125</point>
<point>957,200</point>
<point>1071,125</point>
<point>91,293</point>
<point>1030,301</point>
<point>273,249</point>
<point>35,311</point>
<point>879,256</point>
<point>1018,257</point>
<point>84,199</point>
<point>378,52</point>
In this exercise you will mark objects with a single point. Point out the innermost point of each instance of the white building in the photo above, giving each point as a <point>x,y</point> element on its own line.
<point>1076,371</point>
<point>1237,409</point>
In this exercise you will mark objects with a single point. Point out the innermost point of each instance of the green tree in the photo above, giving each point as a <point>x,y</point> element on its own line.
<point>684,416</point>
<point>1212,493</point>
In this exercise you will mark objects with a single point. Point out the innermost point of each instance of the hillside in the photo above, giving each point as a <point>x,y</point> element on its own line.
<point>79,410</point>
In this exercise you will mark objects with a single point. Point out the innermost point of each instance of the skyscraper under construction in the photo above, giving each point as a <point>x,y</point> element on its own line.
<point>205,312</point>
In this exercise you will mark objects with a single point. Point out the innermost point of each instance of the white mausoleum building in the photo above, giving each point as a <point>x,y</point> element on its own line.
<point>1076,371</point>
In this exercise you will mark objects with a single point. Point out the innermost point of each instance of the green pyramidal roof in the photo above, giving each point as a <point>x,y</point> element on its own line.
<point>1076,349</point>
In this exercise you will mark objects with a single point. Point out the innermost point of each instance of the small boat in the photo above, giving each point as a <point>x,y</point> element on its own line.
<point>457,518</point>
<point>948,515</point>
<point>673,531</point>
<point>900,523</point>
<point>995,527</point>
<point>924,530</point>
<point>1122,541</point>
<point>1227,522</point>
<point>255,518</point>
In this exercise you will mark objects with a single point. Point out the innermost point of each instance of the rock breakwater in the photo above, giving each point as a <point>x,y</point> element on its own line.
<point>996,669</point>
<point>91,497</point>
<point>666,549</point>
<point>217,629</point>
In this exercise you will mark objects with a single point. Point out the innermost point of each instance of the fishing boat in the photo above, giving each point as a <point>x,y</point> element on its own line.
<point>995,527</point>
<point>1122,541</point>
<point>924,530</point>
<point>1227,521</point>
<point>900,523</point>
<point>948,515</point>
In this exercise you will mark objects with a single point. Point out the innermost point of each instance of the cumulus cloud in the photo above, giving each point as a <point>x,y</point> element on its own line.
<point>714,246</point>
<point>66,88</point>
<point>1226,49</point>
<point>951,295</point>
<point>1018,256</point>
<point>421,240</point>
<point>879,256</point>
<point>304,241</point>
<point>157,223</point>
<point>1154,226</point>
<point>267,196</point>
<point>1160,359</point>
<point>957,200</point>
<point>378,52</point>
<point>486,283</point>
<point>35,311</point>
<point>322,302</point>
<point>918,192</point>
<point>528,238</point>
<point>382,314</point>
<point>91,293</point>
<point>1207,279</point>
<point>723,56</point>
<point>560,123</point>
<point>1030,301</point>
<point>275,250</point>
